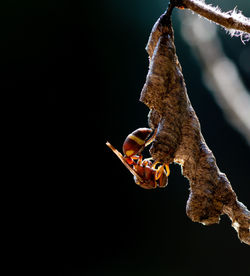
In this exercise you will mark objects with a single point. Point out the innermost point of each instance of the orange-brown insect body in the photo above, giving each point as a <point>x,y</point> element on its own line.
<point>145,173</point>
<point>135,142</point>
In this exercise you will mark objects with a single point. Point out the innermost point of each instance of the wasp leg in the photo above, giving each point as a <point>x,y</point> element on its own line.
<point>160,170</point>
<point>137,157</point>
<point>151,139</point>
<point>167,169</point>
<point>154,164</point>
<point>130,159</point>
<point>147,161</point>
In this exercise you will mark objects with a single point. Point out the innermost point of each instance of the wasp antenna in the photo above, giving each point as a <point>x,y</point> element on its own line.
<point>151,139</point>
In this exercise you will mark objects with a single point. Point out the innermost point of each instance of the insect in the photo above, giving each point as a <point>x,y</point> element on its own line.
<point>148,175</point>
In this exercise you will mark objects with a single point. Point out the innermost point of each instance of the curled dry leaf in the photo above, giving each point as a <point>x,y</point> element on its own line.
<point>179,137</point>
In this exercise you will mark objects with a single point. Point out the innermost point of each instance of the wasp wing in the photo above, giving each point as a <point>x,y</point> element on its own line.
<point>119,155</point>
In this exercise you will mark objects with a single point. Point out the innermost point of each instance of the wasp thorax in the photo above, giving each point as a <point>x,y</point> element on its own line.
<point>135,141</point>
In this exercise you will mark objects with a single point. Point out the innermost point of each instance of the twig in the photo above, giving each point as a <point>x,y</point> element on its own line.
<point>230,20</point>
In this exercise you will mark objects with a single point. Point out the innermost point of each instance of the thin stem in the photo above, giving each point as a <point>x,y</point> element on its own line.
<point>230,20</point>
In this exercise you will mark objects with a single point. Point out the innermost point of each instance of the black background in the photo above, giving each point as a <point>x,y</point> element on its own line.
<point>90,59</point>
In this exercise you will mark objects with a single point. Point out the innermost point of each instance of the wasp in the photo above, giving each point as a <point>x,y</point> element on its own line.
<point>147,174</point>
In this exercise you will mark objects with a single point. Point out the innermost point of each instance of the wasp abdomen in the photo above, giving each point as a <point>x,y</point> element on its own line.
<point>135,141</point>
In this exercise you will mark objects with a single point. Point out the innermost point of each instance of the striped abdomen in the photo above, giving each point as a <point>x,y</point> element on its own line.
<point>135,142</point>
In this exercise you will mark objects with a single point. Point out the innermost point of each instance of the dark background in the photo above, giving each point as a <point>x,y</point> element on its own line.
<point>87,60</point>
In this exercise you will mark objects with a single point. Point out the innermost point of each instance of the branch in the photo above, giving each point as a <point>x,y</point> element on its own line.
<point>230,20</point>
<point>179,139</point>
